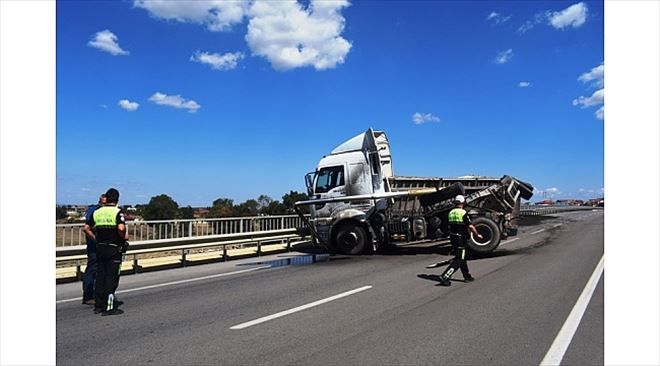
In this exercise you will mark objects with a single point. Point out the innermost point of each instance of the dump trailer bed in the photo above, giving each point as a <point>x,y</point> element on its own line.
<point>411,204</point>
<point>493,203</point>
<point>471,183</point>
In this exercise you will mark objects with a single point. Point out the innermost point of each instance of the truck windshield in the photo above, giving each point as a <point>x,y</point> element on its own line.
<point>329,178</point>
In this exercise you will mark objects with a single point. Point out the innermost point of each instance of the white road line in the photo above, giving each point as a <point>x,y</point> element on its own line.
<point>508,241</point>
<point>565,336</point>
<point>558,225</point>
<point>537,231</point>
<point>299,308</point>
<point>176,282</point>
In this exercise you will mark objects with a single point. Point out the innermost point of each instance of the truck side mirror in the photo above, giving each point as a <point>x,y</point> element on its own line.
<point>309,182</point>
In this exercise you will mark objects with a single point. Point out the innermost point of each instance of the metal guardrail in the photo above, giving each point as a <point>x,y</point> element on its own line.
<point>77,255</point>
<point>69,235</point>
<point>547,210</point>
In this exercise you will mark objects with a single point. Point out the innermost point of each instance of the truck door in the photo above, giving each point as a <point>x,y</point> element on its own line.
<point>371,149</point>
<point>359,181</point>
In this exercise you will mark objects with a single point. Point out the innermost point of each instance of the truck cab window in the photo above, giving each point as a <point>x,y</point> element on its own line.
<point>329,178</point>
<point>375,163</point>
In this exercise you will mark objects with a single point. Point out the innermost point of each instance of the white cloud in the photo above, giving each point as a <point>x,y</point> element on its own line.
<point>597,98</point>
<point>597,75</point>
<point>538,19</point>
<point>228,61</point>
<point>287,33</point>
<point>289,36</point>
<point>504,56</point>
<point>175,101</point>
<point>107,41</point>
<point>128,105</point>
<point>573,16</point>
<point>419,118</point>
<point>525,84</point>
<point>553,190</point>
<point>548,192</point>
<point>498,18</point>
<point>216,15</point>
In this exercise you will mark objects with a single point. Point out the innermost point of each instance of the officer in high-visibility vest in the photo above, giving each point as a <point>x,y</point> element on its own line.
<point>89,277</point>
<point>110,226</point>
<point>459,224</point>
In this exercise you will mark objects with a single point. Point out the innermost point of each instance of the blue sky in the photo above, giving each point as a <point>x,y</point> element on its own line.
<point>488,88</point>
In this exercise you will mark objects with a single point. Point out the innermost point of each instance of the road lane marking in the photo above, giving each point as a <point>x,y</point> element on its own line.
<point>558,225</point>
<point>175,282</point>
<point>299,308</point>
<point>537,231</point>
<point>559,346</point>
<point>508,241</point>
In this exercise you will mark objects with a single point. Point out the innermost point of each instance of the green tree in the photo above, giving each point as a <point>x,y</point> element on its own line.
<point>139,210</point>
<point>160,207</point>
<point>60,212</point>
<point>247,208</point>
<point>186,213</point>
<point>289,199</point>
<point>264,201</point>
<point>274,208</point>
<point>222,207</point>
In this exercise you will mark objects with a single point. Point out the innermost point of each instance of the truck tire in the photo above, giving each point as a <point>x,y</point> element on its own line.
<point>351,239</point>
<point>491,233</point>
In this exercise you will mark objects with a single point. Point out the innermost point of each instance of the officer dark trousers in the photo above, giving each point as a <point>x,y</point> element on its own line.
<point>107,275</point>
<point>458,244</point>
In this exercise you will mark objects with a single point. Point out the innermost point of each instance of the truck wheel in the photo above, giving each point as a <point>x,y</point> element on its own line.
<point>351,239</point>
<point>491,233</point>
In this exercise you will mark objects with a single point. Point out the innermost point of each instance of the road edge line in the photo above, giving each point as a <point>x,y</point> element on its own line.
<point>563,339</point>
<point>176,282</point>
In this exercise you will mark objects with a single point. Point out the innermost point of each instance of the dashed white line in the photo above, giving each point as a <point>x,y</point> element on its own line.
<point>537,231</point>
<point>176,282</point>
<point>508,241</point>
<point>558,225</point>
<point>299,308</point>
<point>559,346</point>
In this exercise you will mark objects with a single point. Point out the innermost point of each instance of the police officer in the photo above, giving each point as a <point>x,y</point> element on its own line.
<point>90,270</point>
<point>459,224</point>
<point>111,234</point>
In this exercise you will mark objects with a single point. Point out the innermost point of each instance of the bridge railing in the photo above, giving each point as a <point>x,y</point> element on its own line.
<point>69,235</point>
<point>72,234</point>
<point>548,210</point>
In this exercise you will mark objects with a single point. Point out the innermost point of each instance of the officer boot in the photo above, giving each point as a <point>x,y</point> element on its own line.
<point>446,275</point>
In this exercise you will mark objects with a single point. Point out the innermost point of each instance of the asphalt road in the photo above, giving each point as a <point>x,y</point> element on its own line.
<point>368,310</point>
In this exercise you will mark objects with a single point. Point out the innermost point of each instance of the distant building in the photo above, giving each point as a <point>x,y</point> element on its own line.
<point>75,212</point>
<point>199,213</point>
<point>599,202</point>
<point>545,202</point>
<point>570,202</point>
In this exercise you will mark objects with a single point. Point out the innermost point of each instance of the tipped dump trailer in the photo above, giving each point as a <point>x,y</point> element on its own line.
<point>359,206</point>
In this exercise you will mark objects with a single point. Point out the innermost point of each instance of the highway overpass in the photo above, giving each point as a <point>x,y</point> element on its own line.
<point>367,310</point>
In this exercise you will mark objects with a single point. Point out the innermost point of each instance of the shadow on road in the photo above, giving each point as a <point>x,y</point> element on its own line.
<point>533,220</point>
<point>436,278</point>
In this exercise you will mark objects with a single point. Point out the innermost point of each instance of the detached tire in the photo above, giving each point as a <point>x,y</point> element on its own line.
<point>351,239</point>
<point>491,233</point>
